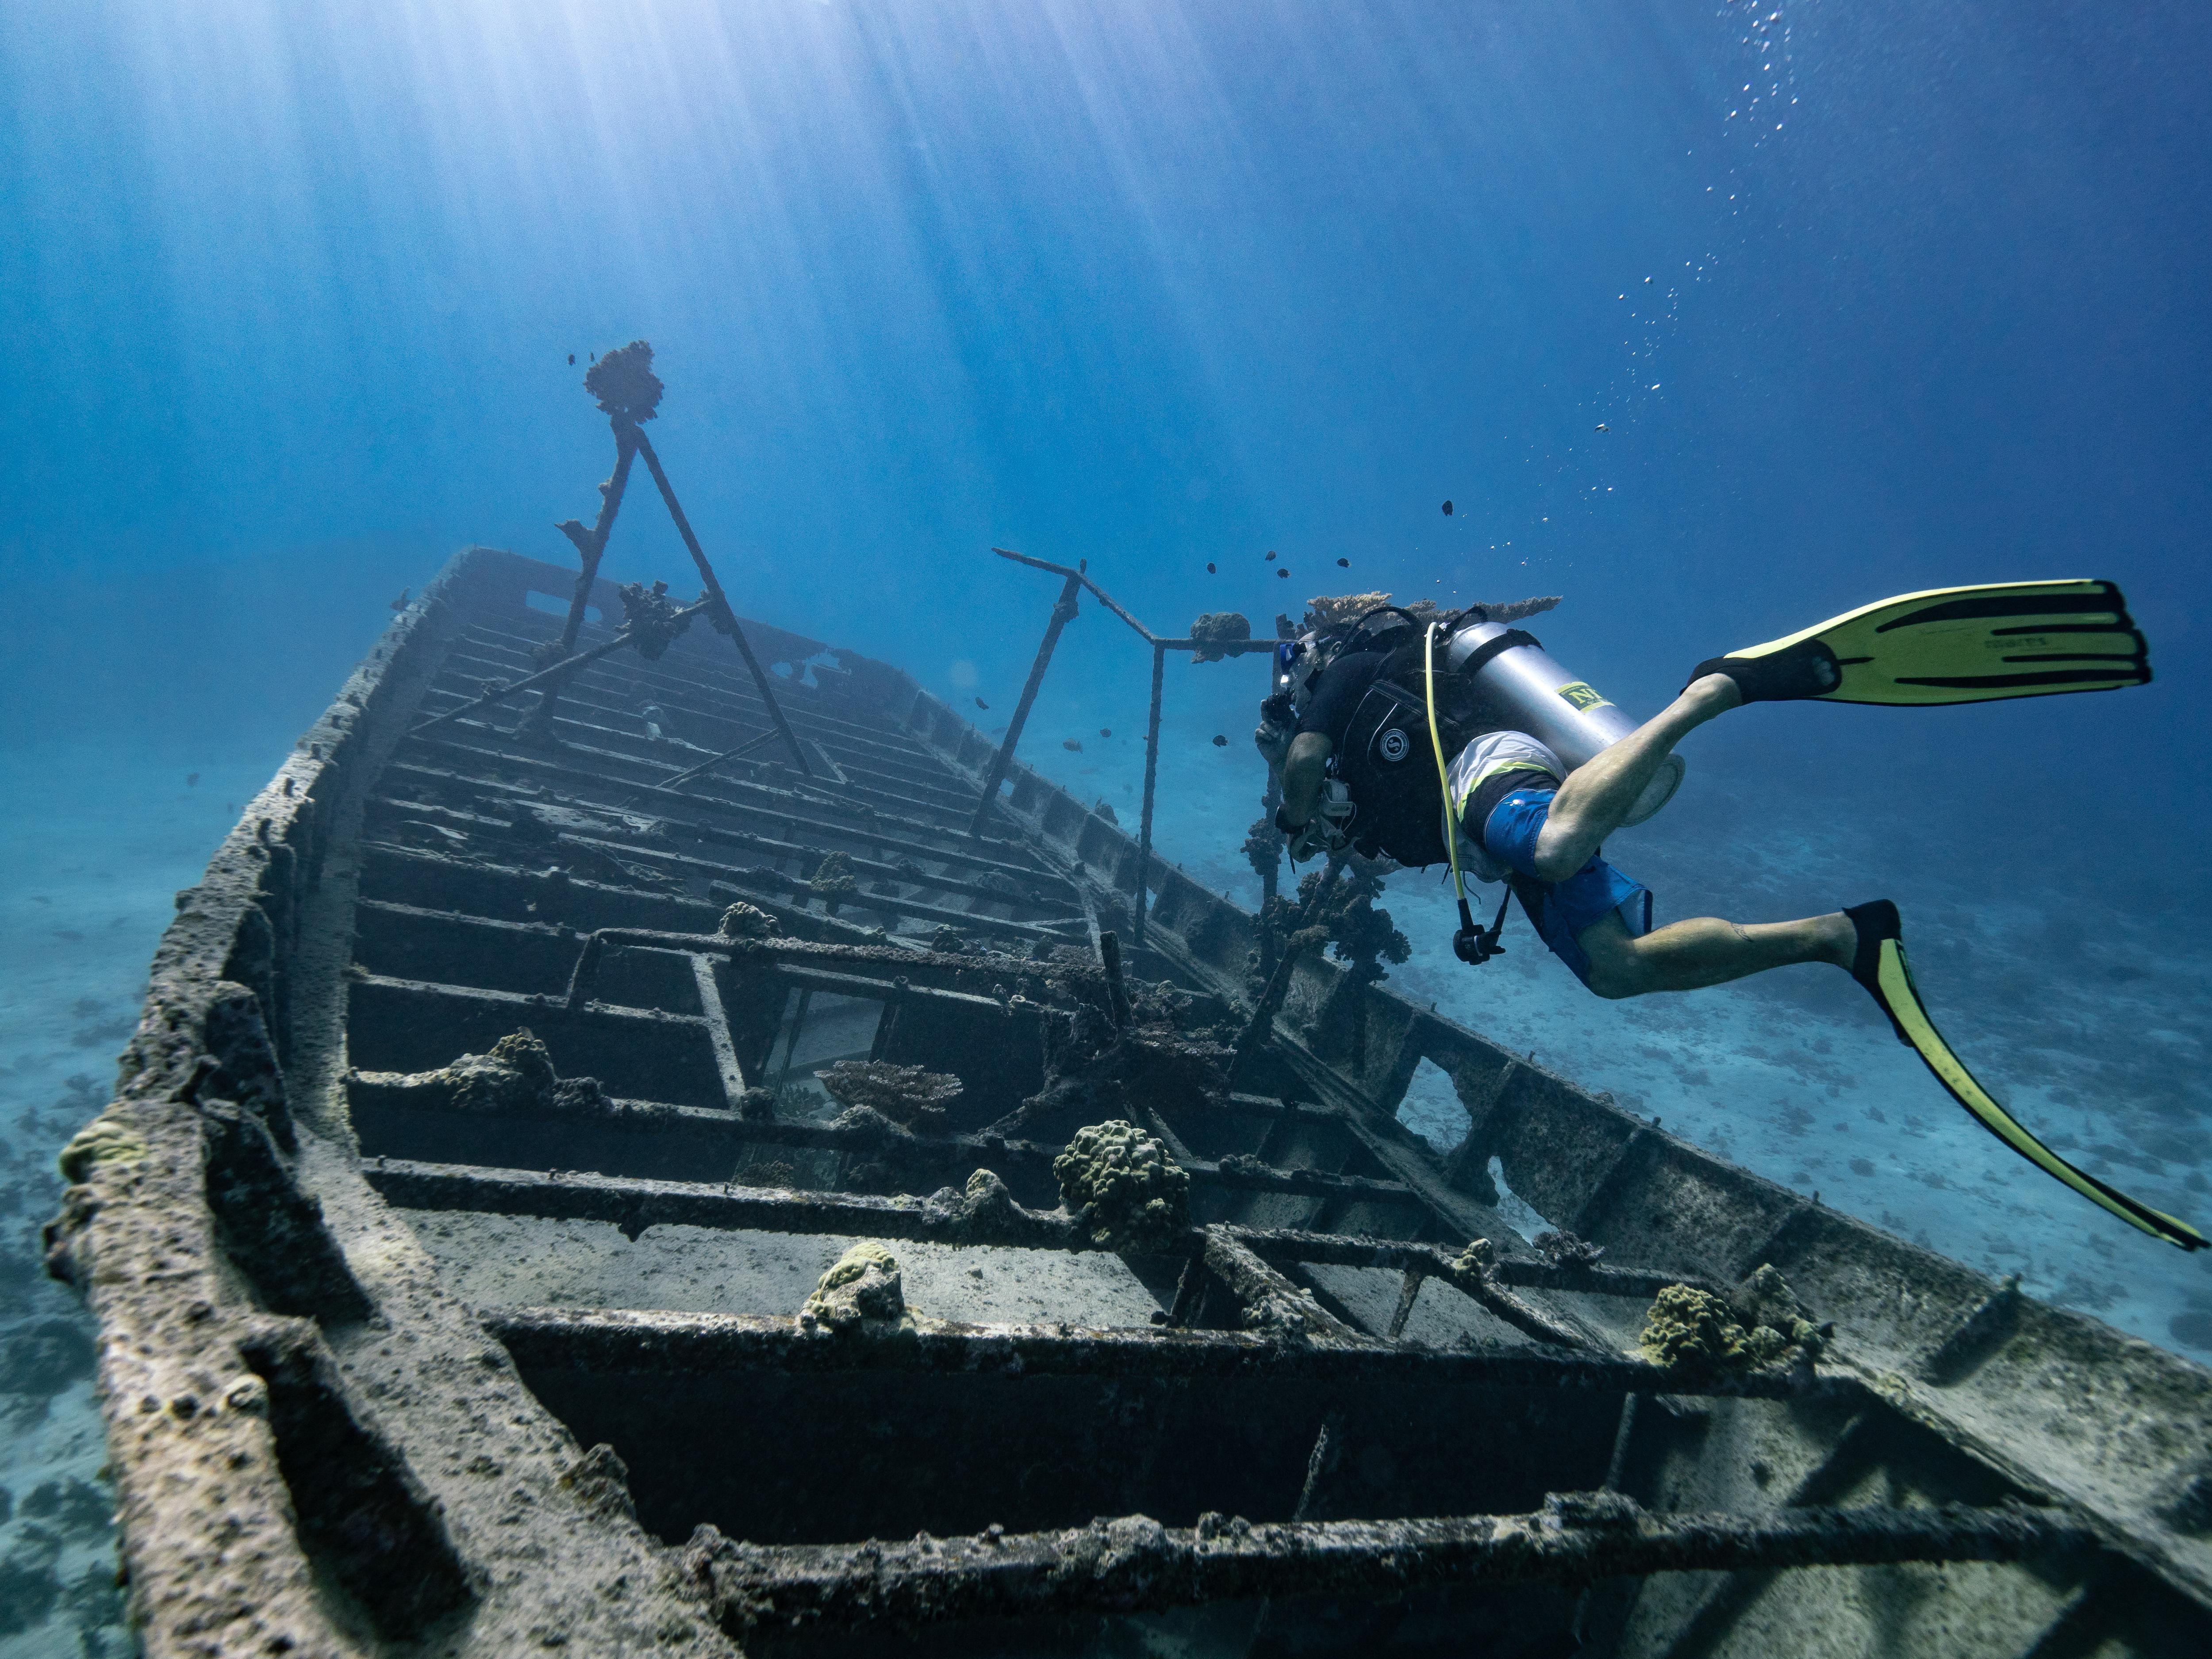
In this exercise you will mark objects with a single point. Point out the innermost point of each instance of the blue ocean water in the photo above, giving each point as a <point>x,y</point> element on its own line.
<point>1714,319</point>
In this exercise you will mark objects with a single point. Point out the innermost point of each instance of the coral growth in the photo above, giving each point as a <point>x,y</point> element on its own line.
<point>1562,1249</point>
<point>516,1076</point>
<point>1324,611</point>
<point>1475,1259</point>
<point>624,383</point>
<point>1696,1330</point>
<point>1263,847</point>
<point>1120,1183</point>
<point>653,620</point>
<point>905,1094</point>
<point>743,920</point>
<point>103,1141</point>
<point>863,1287</point>
<point>1219,626</point>
<point>1327,612</point>
<point>1360,935</point>
<point>834,881</point>
<point>984,1206</point>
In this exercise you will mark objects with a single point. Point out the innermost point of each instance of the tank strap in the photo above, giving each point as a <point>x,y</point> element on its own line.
<point>1485,653</point>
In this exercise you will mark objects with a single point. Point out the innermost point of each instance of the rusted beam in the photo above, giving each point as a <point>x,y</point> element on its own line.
<point>600,789</point>
<point>759,740</point>
<point>1352,1250</point>
<point>724,619</point>
<point>1135,1564</point>
<point>668,1343</point>
<point>1063,612</point>
<point>1479,1284</point>
<point>718,1031</point>
<point>1272,1303</point>
<point>1078,575</point>
<point>502,693</point>
<point>634,1204</point>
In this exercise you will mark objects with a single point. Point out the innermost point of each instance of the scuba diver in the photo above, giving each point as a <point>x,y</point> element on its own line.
<point>1459,739</point>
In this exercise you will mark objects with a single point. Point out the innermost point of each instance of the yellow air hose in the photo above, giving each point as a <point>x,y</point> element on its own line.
<point>1471,944</point>
<point>1443,776</point>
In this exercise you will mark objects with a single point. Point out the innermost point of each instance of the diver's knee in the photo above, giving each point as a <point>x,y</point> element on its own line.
<point>1558,861</point>
<point>1616,970</point>
<point>1615,983</point>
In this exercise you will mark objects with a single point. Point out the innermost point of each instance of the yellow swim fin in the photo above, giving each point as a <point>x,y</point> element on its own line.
<point>1951,645</point>
<point>1881,968</point>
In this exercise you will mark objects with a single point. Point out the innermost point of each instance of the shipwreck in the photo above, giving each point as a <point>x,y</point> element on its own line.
<point>654,1134</point>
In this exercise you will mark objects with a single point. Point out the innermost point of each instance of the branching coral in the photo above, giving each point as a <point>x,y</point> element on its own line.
<point>905,1094</point>
<point>1263,846</point>
<point>1360,935</point>
<point>624,383</point>
<point>1326,611</point>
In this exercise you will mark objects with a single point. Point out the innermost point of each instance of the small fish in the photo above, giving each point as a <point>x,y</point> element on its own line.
<point>1220,742</point>
<point>192,779</point>
<point>400,604</point>
<point>572,359</point>
<point>980,703</point>
<point>1105,731</point>
<point>1285,572</point>
<point>595,356</point>
<point>1074,745</point>
<point>1448,509</point>
<point>1271,553</point>
<point>1210,570</point>
<point>1602,427</point>
<point>1344,564</point>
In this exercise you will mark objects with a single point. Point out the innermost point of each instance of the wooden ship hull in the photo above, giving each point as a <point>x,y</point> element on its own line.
<point>400,1355</point>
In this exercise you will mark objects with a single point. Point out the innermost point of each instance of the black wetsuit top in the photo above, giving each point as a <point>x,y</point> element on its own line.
<point>1369,705</point>
<point>1394,779</point>
<point>1337,690</point>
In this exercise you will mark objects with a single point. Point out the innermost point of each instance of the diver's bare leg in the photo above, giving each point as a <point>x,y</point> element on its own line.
<point>1597,799</point>
<point>1688,955</point>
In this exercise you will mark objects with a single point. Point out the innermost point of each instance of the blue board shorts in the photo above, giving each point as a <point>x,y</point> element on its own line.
<point>1561,910</point>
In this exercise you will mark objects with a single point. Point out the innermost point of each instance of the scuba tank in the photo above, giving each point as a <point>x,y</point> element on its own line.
<point>1505,680</point>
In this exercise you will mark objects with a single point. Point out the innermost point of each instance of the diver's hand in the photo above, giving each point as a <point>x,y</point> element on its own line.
<point>1329,830</point>
<point>1272,742</point>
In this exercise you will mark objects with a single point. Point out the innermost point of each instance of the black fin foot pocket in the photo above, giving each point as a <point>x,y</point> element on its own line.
<point>1806,669</point>
<point>1877,921</point>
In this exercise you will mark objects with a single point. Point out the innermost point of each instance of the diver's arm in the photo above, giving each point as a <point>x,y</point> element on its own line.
<point>1302,771</point>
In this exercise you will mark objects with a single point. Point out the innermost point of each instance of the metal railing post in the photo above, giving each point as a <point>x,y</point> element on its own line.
<point>1063,612</point>
<point>1152,779</point>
